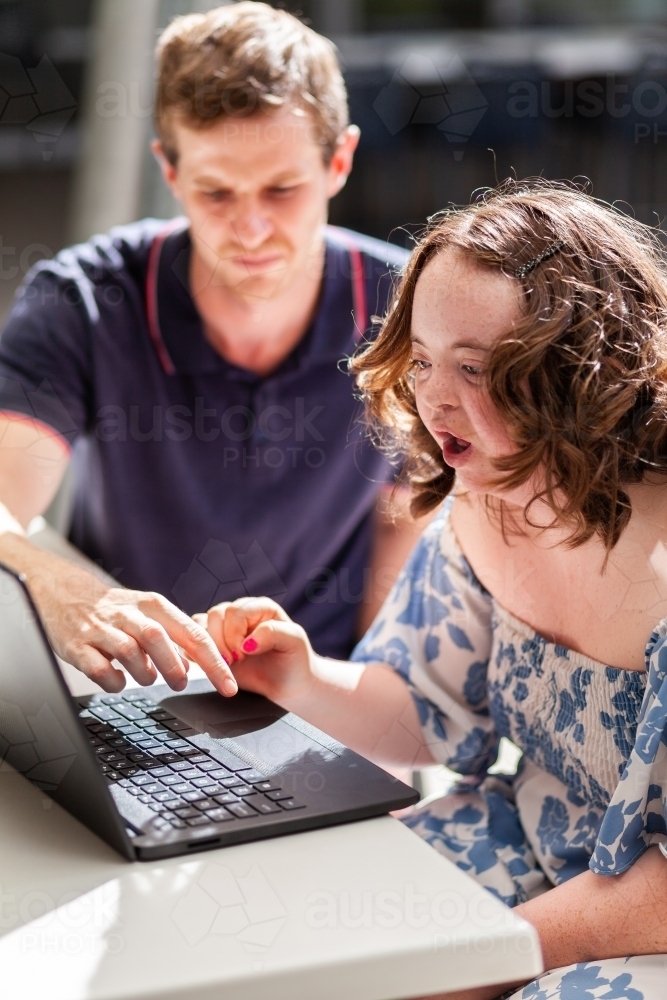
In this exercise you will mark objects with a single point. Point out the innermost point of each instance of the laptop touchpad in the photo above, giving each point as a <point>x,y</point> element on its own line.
<point>224,717</point>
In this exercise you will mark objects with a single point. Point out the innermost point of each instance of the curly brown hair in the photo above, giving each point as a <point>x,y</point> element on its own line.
<point>581,381</point>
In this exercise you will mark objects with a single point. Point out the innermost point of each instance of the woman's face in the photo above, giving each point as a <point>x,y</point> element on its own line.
<point>460,310</point>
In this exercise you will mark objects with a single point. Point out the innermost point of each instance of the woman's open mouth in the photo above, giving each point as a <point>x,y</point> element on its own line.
<point>454,449</point>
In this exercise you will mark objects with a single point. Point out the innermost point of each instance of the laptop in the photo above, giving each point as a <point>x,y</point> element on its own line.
<point>157,773</point>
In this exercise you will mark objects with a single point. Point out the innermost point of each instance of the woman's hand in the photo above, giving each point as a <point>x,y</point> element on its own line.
<point>367,706</point>
<point>269,653</point>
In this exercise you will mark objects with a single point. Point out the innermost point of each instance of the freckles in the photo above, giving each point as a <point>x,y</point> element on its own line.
<point>428,395</point>
<point>422,408</point>
<point>487,422</point>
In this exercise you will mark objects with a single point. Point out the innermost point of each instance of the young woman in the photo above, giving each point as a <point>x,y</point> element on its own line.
<point>523,370</point>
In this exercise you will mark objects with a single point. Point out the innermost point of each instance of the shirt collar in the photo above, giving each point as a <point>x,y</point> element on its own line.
<point>178,332</point>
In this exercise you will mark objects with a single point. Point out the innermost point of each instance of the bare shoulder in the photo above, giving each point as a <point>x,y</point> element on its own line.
<point>466,516</point>
<point>649,510</point>
<point>641,553</point>
<point>603,605</point>
<point>504,561</point>
<point>480,535</point>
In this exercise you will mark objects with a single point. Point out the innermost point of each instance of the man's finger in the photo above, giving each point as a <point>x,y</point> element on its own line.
<point>196,642</point>
<point>119,644</point>
<point>98,668</point>
<point>156,644</point>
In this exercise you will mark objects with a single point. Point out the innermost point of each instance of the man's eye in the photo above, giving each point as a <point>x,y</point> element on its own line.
<point>281,192</point>
<point>217,195</point>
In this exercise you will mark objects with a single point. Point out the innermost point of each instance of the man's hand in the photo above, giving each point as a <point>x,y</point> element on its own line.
<point>271,654</point>
<point>90,624</point>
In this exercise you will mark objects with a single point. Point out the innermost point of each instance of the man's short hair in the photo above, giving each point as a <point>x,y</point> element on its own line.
<point>242,59</point>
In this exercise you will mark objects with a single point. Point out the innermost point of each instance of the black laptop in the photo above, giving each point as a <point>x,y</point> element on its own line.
<point>157,773</point>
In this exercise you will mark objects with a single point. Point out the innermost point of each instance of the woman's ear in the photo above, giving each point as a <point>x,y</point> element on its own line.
<point>341,161</point>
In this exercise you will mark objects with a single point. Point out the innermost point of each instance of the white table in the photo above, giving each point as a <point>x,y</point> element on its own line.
<point>365,911</point>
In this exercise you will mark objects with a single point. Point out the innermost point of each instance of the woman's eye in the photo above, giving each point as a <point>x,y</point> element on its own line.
<point>472,370</point>
<point>419,364</point>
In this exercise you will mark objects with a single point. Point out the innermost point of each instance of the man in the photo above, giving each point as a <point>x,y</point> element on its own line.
<point>193,372</point>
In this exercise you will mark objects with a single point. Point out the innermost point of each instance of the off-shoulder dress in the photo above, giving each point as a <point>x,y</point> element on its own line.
<point>591,787</point>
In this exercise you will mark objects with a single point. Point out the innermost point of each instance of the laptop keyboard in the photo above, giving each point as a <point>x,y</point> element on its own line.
<point>145,749</point>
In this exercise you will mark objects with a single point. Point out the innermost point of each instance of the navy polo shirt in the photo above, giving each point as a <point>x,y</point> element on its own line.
<point>194,477</point>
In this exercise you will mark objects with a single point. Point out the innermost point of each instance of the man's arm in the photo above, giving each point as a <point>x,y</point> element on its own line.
<point>89,622</point>
<point>395,533</point>
<point>33,459</point>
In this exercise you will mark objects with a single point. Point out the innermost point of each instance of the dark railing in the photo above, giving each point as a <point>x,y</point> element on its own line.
<point>442,117</point>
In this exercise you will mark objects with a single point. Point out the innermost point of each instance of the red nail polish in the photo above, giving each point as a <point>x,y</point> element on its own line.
<point>235,656</point>
<point>250,645</point>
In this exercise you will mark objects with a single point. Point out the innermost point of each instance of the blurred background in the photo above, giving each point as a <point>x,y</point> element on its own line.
<point>450,95</point>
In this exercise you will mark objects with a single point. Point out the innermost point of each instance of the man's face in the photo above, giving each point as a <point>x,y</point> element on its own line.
<point>256,192</point>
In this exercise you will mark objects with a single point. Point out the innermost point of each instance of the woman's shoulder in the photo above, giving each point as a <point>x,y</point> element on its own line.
<point>438,565</point>
<point>601,603</point>
<point>437,538</point>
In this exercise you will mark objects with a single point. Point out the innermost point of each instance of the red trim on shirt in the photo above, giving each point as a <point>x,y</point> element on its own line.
<point>23,418</point>
<point>360,309</point>
<point>358,291</point>
<point>152,315</point>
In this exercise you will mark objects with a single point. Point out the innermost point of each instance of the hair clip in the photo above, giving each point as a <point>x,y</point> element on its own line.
<point>530,265</point>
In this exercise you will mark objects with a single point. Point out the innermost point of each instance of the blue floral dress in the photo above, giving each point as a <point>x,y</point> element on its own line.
<point>591,788</point>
